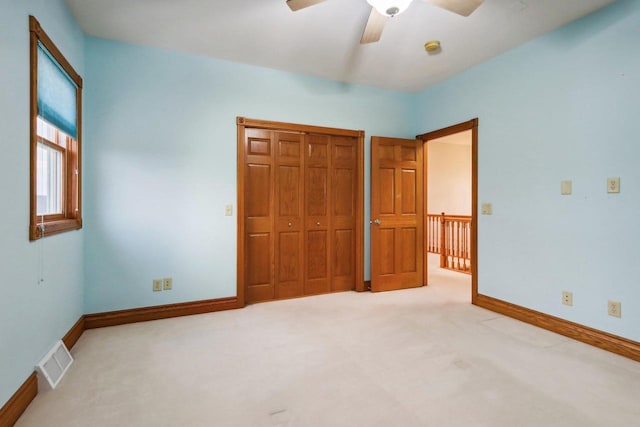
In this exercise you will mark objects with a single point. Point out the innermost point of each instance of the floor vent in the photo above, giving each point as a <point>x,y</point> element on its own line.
<point>55,364</point>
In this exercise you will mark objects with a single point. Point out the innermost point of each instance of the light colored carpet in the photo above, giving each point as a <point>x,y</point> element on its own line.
<point>420,357</point>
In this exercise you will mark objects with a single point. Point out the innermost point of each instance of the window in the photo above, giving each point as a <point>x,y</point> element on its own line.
<point>56,99</point>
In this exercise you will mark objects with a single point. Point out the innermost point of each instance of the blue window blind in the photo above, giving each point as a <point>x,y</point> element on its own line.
<point>56,94</point>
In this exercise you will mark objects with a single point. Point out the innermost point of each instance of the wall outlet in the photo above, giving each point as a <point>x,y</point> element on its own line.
<point>613,185</point>
<point>615,309</point>
<point>157,285</point>
<point>565,187</point>
<point>567,298</point>
<point>167,283</point>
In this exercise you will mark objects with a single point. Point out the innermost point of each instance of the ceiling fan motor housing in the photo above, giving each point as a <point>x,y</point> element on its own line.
<point>393,11</point>
<point>390,8</point>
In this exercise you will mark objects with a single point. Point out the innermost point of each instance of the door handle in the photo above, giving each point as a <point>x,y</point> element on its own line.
<point>289,224</point>
<point>375,221</point>
<point>318,223</point>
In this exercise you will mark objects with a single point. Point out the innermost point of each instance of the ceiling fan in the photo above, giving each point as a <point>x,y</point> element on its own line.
<point>382,10</point>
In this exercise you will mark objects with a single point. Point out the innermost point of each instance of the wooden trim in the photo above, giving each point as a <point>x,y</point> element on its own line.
<point>51,144</point>
<point>72,337</point>
<point>474,210</point>
<point>359,278</point>
<point>54,227</point>
<point>36,29</point>
<point>75,156</point>
<point>460,127</point>
<point>294,127</point>
<point>121,317</point>
<point>585,334</point>
<point>19,402</point>
<point>425,213</point>
<point>240,216</point>
<point>426,137</point>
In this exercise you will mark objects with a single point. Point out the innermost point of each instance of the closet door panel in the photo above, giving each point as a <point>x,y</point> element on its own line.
<point>317,271</point>
<point>343,258</point>
<point>343,190</point>
<point>317,192</point>
<point>259,283</point>
<point>317,211</point>
<point>259,177</point>
<point>289,215</point>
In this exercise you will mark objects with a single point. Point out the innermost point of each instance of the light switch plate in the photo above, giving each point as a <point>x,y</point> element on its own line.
<point>486,209</point>
<point>613,185</point>
<point>228,210</point>
<point>565,187</point>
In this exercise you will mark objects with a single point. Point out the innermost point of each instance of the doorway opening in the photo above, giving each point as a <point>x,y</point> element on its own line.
<point>450,207</point>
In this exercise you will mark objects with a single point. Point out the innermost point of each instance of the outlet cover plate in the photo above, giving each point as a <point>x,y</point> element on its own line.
<point>615,308</point>
<point>567,298</point>
<point>167,283</point>
<point>613,185</point>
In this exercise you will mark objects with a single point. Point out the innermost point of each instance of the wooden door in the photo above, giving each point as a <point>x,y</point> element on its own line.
<point>258,207</point>
<point>289,214</point>
<point>318,215</point>
<point>330,202</point>
<point>344,181</point>
<point>396,214</point>
<point>300,210</point>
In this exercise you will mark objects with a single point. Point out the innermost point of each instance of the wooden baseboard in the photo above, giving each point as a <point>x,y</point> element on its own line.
<point>113,318</point>
<point>594,337</point>
<point>72,337</point>
<point>17,404</point>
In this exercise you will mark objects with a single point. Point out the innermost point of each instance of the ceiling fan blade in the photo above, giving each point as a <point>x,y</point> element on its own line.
<point>375,25</point>
<point>461,7</point>
<point>301,4</point>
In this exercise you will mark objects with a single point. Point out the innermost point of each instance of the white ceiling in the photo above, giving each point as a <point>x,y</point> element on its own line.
<point>323,40</point>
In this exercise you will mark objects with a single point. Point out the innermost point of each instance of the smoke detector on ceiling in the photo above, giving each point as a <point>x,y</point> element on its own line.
<point>432,46</point>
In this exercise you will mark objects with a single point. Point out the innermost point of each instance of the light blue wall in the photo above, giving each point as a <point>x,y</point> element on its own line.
<point>564,106</point>
<point>162,163</point>
<point>32,316</point>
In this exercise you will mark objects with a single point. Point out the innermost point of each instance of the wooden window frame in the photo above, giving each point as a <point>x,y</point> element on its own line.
<point>71,216</point>
<point>67,165</point>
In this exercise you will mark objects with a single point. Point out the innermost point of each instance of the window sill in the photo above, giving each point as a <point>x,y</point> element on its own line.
<point>54,227</point>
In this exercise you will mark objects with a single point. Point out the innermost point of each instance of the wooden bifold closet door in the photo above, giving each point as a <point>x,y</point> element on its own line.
<point>300,214</point>
<point>330,194</point>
